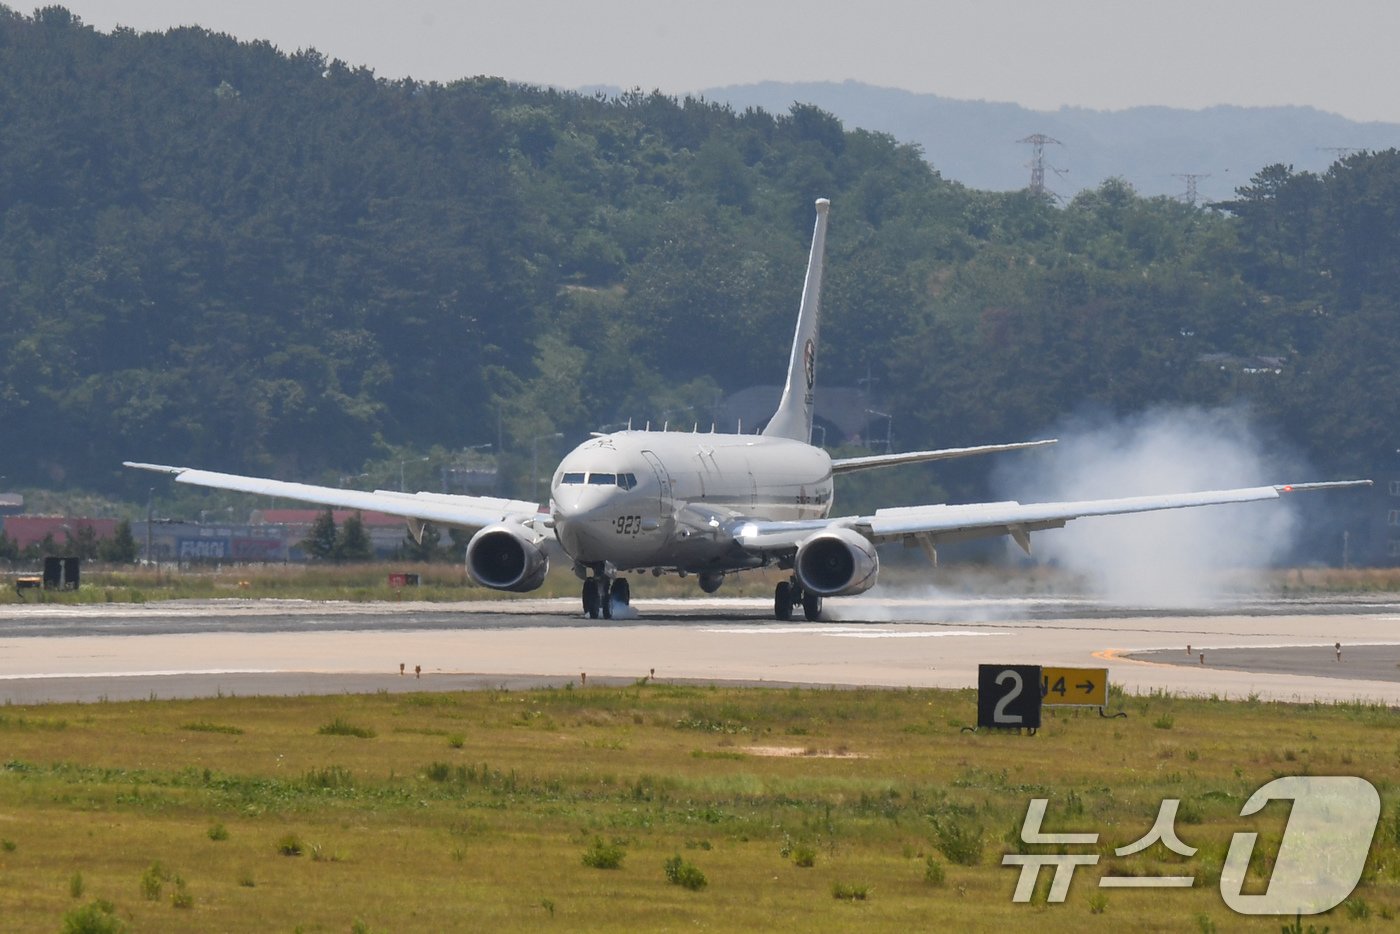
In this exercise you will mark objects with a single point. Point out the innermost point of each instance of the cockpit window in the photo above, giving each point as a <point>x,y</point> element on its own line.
<point>627,480</point>
<point>573,478</point>
<point>602,479</point>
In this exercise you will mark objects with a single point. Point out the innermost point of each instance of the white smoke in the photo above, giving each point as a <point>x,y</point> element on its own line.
<point>1176,558</point>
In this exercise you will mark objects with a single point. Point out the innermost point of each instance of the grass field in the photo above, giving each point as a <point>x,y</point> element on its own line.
<point>650,807</point>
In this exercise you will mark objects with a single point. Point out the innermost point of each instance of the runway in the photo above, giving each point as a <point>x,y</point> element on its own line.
<point>1272,649</point>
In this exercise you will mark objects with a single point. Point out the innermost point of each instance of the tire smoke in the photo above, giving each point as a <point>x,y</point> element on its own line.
<point>1176,558</point>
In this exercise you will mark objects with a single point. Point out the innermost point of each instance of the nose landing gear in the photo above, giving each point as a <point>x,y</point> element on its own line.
<point>790,594</point>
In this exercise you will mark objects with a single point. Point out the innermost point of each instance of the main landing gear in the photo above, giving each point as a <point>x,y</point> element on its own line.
<point>601,595</point>
<point>789,594</point>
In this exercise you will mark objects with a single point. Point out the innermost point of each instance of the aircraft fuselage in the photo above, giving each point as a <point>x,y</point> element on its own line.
<point>640,499</point>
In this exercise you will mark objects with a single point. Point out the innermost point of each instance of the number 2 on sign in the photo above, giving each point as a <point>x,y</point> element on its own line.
<point>1017,686</point>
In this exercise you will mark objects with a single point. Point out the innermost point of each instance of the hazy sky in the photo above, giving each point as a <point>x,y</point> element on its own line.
<point>1107,54</point>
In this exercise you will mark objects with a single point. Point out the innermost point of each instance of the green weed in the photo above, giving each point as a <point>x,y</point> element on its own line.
<point>339,727</point>
<point>204,726</point>
<point>844,891</point>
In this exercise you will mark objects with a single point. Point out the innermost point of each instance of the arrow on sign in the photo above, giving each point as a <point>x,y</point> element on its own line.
<point>1087,687</point>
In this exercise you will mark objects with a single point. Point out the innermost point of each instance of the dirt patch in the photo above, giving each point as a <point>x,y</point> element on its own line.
<point>808,752</point>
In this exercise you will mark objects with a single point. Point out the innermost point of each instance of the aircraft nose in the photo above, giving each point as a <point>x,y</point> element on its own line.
<point>579,502</point>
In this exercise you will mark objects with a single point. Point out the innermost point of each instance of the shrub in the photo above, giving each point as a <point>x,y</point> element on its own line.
<point>218,832</point>
<point>151,881</point>
<point>97,917</point>
<point>181,897</point>
<point>75,885</point>
<point>290,845</point>
<point>604,855</point>
<point>933,871</point>
<point>804,856</point>
<point>959,840</point>
<point>684,874</point>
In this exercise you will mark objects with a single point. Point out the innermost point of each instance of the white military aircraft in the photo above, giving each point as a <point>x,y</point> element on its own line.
<point>711,504</point>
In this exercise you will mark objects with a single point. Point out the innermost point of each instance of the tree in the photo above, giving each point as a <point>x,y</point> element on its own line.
<point>82,543</point>
<point>320,543</point>
<point>121,547</point>
<point>353,544</point>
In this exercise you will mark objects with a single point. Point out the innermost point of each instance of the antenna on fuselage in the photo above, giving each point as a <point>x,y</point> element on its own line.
<point>794,416</point>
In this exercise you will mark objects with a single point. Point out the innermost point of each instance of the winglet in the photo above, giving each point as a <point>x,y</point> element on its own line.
<point>794,416</point>
<point>1325,485</point>
<point>158,468</point>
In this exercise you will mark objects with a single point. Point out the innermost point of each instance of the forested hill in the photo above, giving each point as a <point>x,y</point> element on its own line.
<point>216,253</point>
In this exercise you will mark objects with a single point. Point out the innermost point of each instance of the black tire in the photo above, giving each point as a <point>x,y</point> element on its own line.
<point>622,592</point>
<point>590,599</point>
<point>811,606</point>
<point>782,601</point>
<point>605,597</point>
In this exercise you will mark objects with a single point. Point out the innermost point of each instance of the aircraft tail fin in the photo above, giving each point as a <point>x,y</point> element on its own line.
<point>794,416</point>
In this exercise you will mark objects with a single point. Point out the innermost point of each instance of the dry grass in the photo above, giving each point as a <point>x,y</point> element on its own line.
<point>411,830</point>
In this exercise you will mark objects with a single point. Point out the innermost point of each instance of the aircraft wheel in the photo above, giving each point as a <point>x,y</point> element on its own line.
<point>782,601</point>
<point>812,606</point>
<point>590,599</point>
<point>622,592</point>
<point>605,597</point>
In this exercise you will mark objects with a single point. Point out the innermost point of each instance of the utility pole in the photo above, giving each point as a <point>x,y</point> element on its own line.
<point>1038,142</point>
<point>1191,178</point>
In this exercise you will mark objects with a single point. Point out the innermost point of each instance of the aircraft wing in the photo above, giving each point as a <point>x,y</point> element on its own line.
<point>934,524</point>
<point>467,512</point>
<point>848,464</point>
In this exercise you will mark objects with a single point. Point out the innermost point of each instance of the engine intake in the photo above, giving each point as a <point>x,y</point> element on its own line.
<point>837,562</point>
<point>505,558</point>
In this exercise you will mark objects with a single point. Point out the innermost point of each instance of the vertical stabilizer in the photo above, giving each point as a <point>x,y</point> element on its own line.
<point>794,416</point>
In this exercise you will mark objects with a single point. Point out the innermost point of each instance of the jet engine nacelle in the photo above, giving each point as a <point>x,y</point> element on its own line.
<point>503,556</point>
<point>837,562</point>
